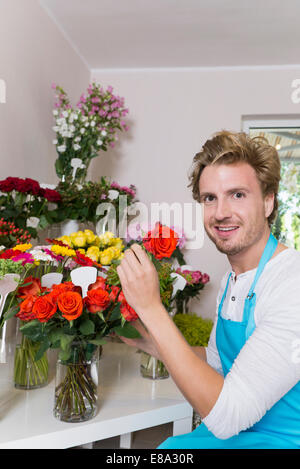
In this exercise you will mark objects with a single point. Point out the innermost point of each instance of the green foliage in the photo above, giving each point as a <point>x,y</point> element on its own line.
<point>7,266</point>
<point>80,202</point>
<point>195,329</point>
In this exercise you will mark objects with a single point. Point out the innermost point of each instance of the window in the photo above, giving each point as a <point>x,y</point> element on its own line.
<point>284,135</point>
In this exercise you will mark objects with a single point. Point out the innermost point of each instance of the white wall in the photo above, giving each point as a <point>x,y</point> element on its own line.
<point>33,54</point>
<point>172,113</point>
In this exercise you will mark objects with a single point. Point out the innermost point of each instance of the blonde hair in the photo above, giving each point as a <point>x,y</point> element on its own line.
<point>231,147</point>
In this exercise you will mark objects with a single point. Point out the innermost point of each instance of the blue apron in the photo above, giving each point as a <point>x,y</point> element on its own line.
<point>280,426</point>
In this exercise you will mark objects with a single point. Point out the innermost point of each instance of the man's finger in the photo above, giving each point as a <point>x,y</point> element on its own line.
<point>140,253</point>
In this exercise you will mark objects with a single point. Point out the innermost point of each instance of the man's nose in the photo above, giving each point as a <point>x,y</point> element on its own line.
<point>223,209</point>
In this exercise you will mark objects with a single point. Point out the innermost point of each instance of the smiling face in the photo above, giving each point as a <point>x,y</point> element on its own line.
<point>235,211</point>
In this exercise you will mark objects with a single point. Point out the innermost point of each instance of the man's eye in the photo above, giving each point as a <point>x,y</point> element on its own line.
<point>239,195</point>
<point>208,198</point>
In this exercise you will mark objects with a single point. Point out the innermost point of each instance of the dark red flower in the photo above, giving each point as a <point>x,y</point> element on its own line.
<point>9,184</point>
<point>52,195</point>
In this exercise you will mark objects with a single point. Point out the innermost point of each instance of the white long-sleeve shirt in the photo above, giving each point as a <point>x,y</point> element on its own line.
<point>268,365</point>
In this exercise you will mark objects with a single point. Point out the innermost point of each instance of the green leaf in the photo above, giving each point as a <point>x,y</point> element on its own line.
<point>65,341</point>
<point>127,331</point>
<point>44,346</point>
<point>99,340</point>
<point>33,330</point>
<point>115,314</point>
<point>87,327</point>
<point>11,312</point>
<point>64,355</point>
<point>43,223</point>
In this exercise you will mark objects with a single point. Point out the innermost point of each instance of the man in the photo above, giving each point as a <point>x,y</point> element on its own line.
<point>245,384</point>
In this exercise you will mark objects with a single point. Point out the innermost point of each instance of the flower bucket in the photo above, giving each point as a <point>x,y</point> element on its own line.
<point>28,372</point>
<point>152,368</point>
<point>76,385</point>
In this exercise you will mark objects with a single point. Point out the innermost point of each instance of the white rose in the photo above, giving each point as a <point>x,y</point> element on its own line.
<point>99,142</point>
<point>93,123</point>
<point>55,112</point>
<point>55,128</point>
<point>55,141</point>
<point>104,133</point>
<point>82,130</point>
<point>77,139</point>
<point>61,148</point>
<point>76,146</point>
<point>65,113</point>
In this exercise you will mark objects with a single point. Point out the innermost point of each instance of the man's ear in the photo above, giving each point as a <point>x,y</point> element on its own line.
<point>269,204</point>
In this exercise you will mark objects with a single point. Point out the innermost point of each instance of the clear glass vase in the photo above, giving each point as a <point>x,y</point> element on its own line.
<point>152,368</point>
<point>76,385</point>
<point>28,372</point>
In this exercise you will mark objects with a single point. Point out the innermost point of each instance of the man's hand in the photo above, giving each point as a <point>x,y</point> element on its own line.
<point>145,343</point>
<point>139,280</point>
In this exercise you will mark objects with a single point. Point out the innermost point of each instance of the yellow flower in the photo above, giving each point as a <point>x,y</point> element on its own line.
<point>90,236</point>
<point>106,238</point>
<point>96,241</point>
<point>23,247</point>
<point>62,251</point>
<point>66,240</point>
<point>106,256</point>
<point>118,243</point>
<point>93,253</point>
<point>78,239</point>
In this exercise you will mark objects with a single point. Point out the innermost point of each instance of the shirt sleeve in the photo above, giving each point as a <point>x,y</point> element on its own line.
<point>265,369</point>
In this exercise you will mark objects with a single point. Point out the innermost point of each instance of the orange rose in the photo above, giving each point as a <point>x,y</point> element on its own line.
<point>34,288</point>
<point>62,288</point>
<point>70,304</point>
<point>97,300</point>
<point>44,308</point>
<point>26,307</point>
<point>161,241</point>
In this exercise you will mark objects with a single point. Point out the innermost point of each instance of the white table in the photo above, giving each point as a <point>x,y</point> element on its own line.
<point>127,403</point>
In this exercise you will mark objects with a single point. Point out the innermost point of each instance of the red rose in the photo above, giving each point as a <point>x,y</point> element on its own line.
<point>34,287</point>
<point>44,308</point>
<point>8,184</point>
<point>33,186</point>
<point>100,283</point>
<point>114,292</point>
<point>161,241</point>
<point>22,186</point>
<point>26,308</point>
<point>97,300</point>
<point>127,311</point>
<point>52,195</point>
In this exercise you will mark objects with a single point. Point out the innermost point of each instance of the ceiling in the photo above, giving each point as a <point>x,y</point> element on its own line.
<point>180,33</point>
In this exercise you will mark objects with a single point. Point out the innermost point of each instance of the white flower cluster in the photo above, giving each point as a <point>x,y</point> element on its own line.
<point>74,125</point>
<point>40,255</point>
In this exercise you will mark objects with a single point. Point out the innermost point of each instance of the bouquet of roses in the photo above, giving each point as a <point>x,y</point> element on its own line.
<point>82,132</point>
<point>27,203</point>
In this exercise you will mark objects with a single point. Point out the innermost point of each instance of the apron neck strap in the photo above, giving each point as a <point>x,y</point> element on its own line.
<point>266,256</point>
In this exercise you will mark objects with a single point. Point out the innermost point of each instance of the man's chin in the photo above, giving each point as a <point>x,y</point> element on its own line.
<point>225,246</point>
